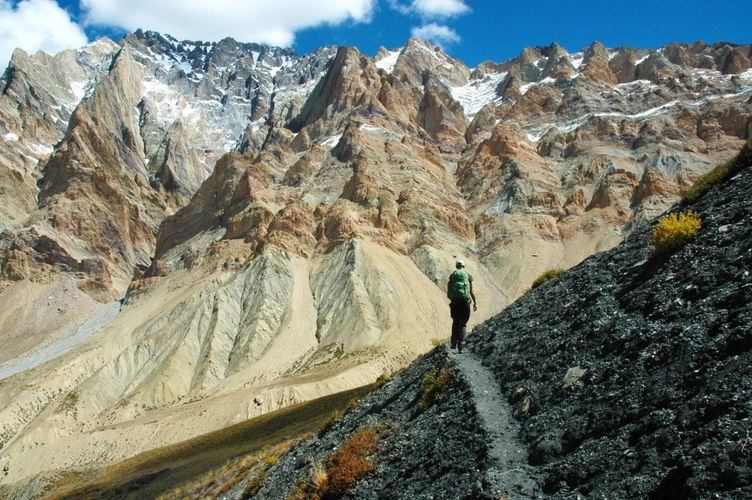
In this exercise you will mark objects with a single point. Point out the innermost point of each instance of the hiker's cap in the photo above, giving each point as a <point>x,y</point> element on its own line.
<point>459,263</point>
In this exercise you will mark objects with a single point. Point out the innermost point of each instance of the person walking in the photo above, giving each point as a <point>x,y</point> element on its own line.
<point>459,292</point>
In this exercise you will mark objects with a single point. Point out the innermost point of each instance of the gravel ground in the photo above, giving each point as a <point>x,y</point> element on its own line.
<point>631,374</point>
<point>412,463</point>
<point>507,474</point>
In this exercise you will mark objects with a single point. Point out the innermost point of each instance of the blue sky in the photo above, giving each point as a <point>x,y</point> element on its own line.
<point>471,30</point>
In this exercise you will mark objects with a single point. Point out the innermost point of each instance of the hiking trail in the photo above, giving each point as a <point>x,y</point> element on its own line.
<point>507,474</point>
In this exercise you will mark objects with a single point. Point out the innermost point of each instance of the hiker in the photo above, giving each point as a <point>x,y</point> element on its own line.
<point>459,292</point>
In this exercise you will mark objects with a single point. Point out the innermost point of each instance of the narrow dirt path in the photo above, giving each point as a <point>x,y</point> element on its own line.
<point>507,475</point>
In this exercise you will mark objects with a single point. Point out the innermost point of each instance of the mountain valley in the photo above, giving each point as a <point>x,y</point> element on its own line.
<point>204,233</point>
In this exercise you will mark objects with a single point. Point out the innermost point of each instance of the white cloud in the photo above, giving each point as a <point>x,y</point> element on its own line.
<point>272,22</point>
<point>440,8</point>
<point>432,9</point>
<point>36,25</point>
<point>437,34</point>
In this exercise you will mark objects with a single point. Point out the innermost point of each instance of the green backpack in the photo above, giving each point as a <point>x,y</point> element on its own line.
<point>459,285</point>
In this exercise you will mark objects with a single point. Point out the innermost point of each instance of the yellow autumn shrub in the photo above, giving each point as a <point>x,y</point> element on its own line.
<point>675,230</point>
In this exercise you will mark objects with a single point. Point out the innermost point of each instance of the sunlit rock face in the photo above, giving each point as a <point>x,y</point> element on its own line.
<point>284,225</point>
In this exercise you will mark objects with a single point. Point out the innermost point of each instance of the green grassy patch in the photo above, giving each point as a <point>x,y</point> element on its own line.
<point>434,385</point>
<point>546,276</point>
<point>719,174</point>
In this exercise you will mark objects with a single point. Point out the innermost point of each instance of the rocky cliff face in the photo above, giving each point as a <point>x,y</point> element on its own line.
<point>284,225</point>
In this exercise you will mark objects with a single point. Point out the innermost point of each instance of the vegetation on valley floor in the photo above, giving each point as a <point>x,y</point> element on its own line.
<point>207,465</point>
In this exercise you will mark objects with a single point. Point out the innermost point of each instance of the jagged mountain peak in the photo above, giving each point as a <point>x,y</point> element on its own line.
<point>196,56</point>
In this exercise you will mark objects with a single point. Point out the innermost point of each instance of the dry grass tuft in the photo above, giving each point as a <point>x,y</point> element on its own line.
<point>546,276</point>
<point>350,463</point>
<point>253,486</point>
<point>341,470</point>
<point>320,479</point>
<point>433,385</point>
<point>720,174</point>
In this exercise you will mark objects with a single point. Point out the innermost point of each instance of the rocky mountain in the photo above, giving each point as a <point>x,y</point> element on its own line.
<point>626,377</point>
<point>205,232</point>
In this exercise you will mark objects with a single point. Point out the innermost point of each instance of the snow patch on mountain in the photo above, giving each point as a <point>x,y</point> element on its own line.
<point>477,93</point>
<point>42,149</point>
<point>388,62</point>
<point>534,134</point>
<point>577,59</point>
<point>305,89</point>
<point>332,141</point>
<point>286,63</point>
<point>528,86</point>
<point>171,106</point>
<point>79,90</point>
<point>185,67</point>
<point>167,63</point>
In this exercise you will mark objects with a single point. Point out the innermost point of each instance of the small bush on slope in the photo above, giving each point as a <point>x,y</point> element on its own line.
<point>350,462</point>
<point>253,486</point>
<point>674,231</point>
<point>433,386</point>
<point>720,174</point>
<point>548,275</point>
<point>342,469</point>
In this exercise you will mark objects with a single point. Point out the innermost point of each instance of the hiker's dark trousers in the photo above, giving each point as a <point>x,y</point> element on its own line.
<point>460,312</point>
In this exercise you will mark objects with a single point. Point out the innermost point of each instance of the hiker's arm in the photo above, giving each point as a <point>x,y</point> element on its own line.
<point>472,294</point>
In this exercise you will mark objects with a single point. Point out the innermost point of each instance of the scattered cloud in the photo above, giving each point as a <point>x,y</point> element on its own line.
<point>439,35</point>
<point>274,22</point>
<point>44,25</point>
<point>432,9</point>
<point>35,25</point>
<point>440,9</point>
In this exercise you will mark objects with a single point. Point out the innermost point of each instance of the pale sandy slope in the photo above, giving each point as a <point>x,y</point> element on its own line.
<point>62,415</point>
